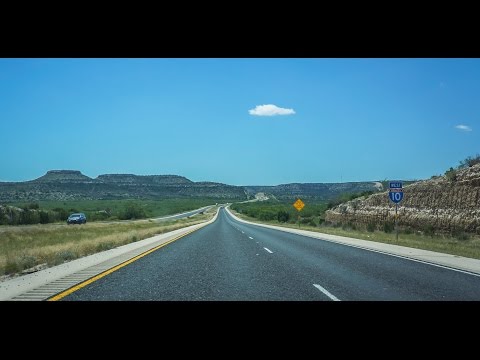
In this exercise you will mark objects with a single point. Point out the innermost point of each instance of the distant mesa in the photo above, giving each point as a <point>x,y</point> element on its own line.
<point>73,185</point>
<point>64,172</point>
<point>143,179</point>
<point>63,175</point>
<point>77,176</point>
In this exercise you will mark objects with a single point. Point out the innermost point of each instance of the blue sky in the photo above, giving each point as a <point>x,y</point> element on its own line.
<point>340,119</point>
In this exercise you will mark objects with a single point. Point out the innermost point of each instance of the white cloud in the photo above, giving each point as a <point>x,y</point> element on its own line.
<point>463,127</point>
<point>270,110</point>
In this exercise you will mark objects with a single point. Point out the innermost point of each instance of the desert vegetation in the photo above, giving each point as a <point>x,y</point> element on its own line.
<point>45,212</point>
<point>28,246</point>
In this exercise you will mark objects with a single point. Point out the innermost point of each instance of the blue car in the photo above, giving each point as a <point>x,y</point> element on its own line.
<point>79,218</point>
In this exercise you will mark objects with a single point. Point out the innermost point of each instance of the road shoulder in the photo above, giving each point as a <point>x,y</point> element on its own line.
<point>45,283</point>
<point>456,262</point>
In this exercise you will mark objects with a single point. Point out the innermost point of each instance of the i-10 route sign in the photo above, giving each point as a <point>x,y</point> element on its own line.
<point>396,191</point>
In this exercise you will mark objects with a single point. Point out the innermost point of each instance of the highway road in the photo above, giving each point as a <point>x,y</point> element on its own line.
<point>162,218</point>
<point>183,215</point>
<point>230,260</point>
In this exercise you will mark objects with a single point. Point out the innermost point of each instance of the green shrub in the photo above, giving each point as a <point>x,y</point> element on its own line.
<point>267,215</point>
<point>61,214</point>
<point>371,227</point>
<point>28,217</point>
<point>388,227</point>
<point>251,212</point>
<point>26,262</point>
<point>451,174</point>
<point>463,236</point>
<point>44,217</point>
<point>349,226</point>
<point>105,246</point>
<point>283,216</point>
<point>65,255</point>
<point>429,230</point>
<point>460,235</point>
<point>3,217</point>
<point>470,161</point>
<point>348,197</point>
<point>99,215</point>
<point>306,220</point>
<point>133,211</point>
<point>11,267</point>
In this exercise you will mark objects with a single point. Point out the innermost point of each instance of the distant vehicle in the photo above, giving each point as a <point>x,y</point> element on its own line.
<point>79,218</point>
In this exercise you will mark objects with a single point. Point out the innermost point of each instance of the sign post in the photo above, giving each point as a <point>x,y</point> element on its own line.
<point>299,204</point>
<point>396,195</point>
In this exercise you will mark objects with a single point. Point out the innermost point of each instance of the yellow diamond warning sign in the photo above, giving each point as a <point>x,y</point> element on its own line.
<point>299,204</point>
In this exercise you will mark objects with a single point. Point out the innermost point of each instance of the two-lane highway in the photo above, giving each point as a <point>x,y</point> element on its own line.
<point>230,260</point>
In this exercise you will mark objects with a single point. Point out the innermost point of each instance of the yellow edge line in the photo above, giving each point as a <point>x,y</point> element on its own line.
<point>115,268</point>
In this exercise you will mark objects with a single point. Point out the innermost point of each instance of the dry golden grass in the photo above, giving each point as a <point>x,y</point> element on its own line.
<point>23,247</point>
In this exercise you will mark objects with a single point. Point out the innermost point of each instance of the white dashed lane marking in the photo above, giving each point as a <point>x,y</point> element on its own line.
<point>326,292</point>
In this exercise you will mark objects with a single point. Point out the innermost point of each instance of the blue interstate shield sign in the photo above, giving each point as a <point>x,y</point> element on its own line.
<point>396,196</point>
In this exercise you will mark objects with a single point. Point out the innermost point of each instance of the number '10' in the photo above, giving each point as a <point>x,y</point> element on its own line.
<point>396,196</point>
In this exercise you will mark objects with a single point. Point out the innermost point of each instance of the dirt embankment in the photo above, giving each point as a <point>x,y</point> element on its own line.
<point>442,204</point>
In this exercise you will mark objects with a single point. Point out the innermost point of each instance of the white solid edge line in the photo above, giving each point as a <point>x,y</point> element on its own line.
<point>326,292</point>
<point>270,251</point>
<point>31,282</point>
<point>372,250</point>
<point>412,259</point>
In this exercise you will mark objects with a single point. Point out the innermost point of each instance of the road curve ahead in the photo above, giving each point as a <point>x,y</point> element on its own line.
<point>229,260</point>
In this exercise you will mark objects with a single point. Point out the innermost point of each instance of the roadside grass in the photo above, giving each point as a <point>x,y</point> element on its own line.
<point>114,209</point>
<point>461,246</point>
<point>26,246</point>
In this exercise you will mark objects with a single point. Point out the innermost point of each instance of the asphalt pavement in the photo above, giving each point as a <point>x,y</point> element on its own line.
<point>232,260</point>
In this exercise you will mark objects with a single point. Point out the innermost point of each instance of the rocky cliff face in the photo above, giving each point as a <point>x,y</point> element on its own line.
<point>439,203</point>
